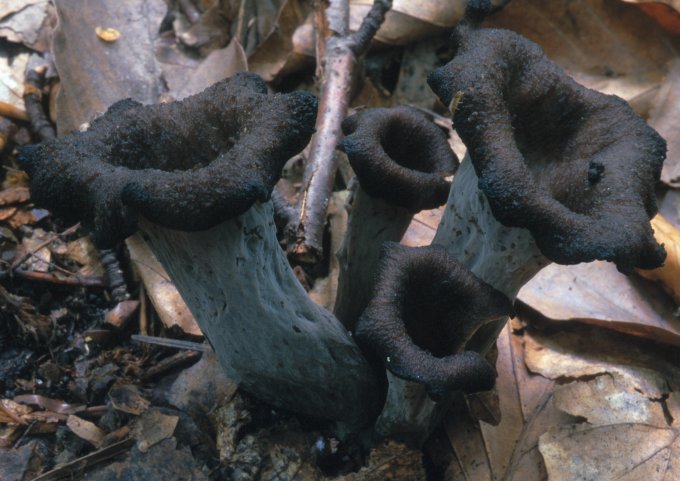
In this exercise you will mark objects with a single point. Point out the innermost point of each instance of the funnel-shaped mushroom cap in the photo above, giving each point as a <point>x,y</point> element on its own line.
<point>425,307</point>
<point>574,166</point>
<point>186,165</point>
<point>400,156</point>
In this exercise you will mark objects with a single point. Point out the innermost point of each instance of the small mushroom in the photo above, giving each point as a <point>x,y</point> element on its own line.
<point>401,161</point>
<point>556,172</point>
<point>424,309</point>
<point>196,176</point>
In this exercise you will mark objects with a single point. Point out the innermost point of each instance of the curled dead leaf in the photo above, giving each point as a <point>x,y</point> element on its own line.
<point>666,12</point>
<point>163,294</point>
<point>584,293</point>
<point>509,450</point>
<point>665,118</point>
<point>86,430</point>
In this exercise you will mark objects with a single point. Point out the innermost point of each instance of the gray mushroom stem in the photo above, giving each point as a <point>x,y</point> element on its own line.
<point>371,222</point>
<point>270,337</point>
<point>402,161</point>
<point>425,308</point>
<point>504,257</point>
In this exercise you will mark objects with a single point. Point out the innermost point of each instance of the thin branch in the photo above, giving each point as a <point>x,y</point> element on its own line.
<point>369,27</point>
<point>33,99</point>
<point>342,51</point>
<point>10,111</point>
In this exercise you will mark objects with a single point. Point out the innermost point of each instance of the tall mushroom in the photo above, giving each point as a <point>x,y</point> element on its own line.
<point>425,307</point>
<point>556,172</point>
<point>401,161</point>
<point>196,177</point>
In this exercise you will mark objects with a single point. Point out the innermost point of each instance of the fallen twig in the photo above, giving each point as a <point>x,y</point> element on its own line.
<point>10,111</point>
<point>33,99</point>
<point>342,50</point>
<point>176,343</point>
<point>69,470</point>
<point>73,280</point>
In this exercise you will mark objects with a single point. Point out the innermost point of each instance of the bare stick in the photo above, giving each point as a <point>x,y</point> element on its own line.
<point>342,50</point>
<point>10,111</point>
<point>33,98</point>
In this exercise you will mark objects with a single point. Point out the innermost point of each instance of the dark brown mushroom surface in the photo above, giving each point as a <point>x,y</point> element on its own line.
<point>425,307</point>
<point>576,167</point>
<point>185,165</point>
<point>399,156</point>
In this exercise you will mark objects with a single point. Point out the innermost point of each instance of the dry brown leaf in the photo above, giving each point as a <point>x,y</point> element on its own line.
<point>587,351</point>
<point>668,274</point>
<point>7,213</point>
<point>95,74</point>
<point>508,451</point>
<point>604,44</point>
<point>666,12</point>
<point>410,20</point>
<point>20,463</point>
<point>623,431</point>
<point>152,428</point>
<point>85,430</point>
<point>390,461</point>
<point>83,252</point>
<point>14,195</point>
<point>189,79</point>
<point>608,399</point>
<point>29,22</point>
<point>422,228</point>
<point>596,293</point>
<point>273,54</point>
<point>166,300</point>
<point>121,313</point>
<point>26,217</point>
<point>39,255</point>
<point>665,118</point>
<point>625,452</point>
<point>127,398</point>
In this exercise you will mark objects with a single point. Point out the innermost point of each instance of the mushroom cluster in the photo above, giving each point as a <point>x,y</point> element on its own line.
<point>555,173</point>
<point>402,162</point>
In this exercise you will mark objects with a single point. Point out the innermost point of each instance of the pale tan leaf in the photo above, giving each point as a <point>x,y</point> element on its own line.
<point>626,434</point>
<point>596,293</point>
<point>166,300</point>
<point>608,399</point>
<point>668,274</point>
<point>94,74</point>
<point>422,228</point>
<point>153,427</point>
<point>606,45</point>
<point>666,12</point>
<point>508,451</point>
<point>219,64</point>
<point>586,351</point>
<point>85,430</point>
<point>409,21</point>
<point>665,118</point>
<point>622,452</point>
<point>273,54</point>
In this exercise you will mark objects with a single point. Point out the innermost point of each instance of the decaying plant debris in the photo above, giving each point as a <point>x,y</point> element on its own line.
<point>97,383</point>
